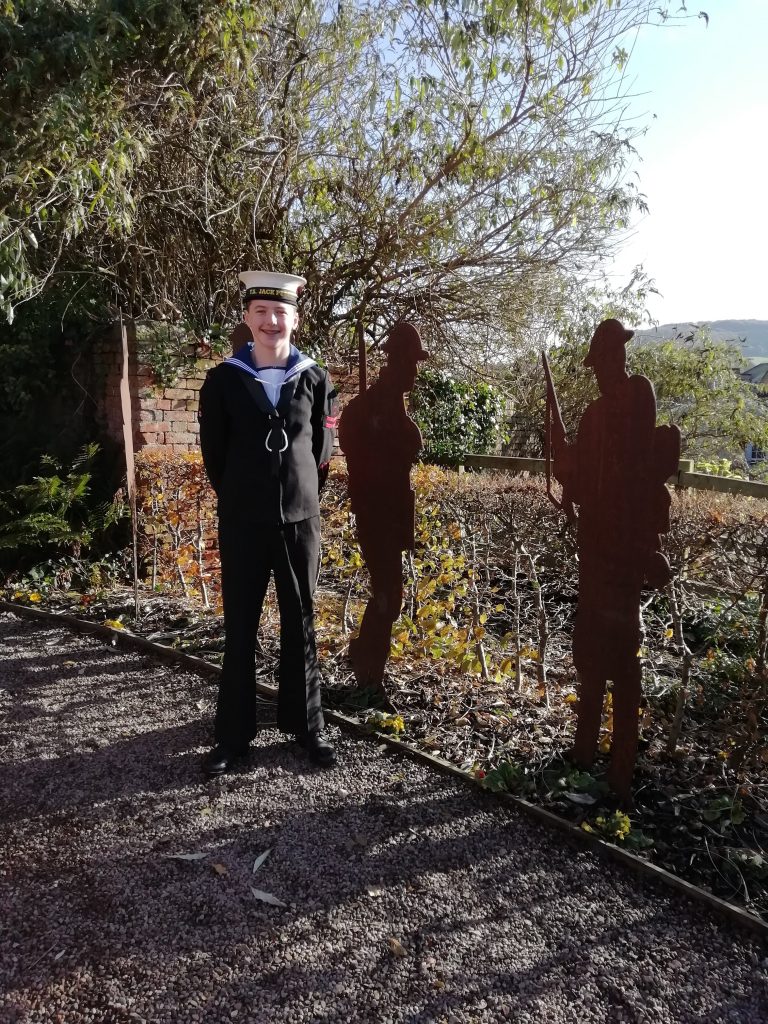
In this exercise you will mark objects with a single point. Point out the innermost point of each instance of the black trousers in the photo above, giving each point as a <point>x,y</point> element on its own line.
<point>248,558</point>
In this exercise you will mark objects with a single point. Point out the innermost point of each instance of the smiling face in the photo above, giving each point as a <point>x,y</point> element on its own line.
<point>271,324</point>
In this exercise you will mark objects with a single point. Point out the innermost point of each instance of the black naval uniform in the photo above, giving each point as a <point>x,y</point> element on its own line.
<point>266,465</point>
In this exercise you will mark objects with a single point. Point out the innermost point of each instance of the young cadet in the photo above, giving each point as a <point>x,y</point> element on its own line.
<point>267,420</point>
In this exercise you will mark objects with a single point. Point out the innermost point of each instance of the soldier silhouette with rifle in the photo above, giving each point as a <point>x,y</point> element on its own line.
<point>614,472</point>
<point>381,443</point>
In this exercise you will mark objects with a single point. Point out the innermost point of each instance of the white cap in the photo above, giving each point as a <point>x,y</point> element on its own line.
<point>260,284</point>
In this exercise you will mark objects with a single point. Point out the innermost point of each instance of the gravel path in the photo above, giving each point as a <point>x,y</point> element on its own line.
<point>409,898</point>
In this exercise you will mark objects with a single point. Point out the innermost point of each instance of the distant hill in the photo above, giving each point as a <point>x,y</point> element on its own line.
<point>754,333</point>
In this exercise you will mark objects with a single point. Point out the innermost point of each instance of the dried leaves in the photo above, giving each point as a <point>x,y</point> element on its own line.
<point>221,870</point>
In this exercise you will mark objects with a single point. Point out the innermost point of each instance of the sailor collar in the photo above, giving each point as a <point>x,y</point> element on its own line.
<point>297,362</point>
<point>276,439</point>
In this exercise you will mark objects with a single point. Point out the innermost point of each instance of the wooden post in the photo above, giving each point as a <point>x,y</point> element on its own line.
<point>361,356</point>
<point>130,464</point>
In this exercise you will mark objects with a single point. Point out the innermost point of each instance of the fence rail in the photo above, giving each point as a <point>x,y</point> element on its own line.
<point>685,476</point>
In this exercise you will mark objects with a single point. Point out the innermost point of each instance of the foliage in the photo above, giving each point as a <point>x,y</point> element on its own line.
<point>616,826</point>
<point>470,604</point>
<point>380,721</point>
<point>451,162</point>
<point>177,521</point>
<point>54,510</point>
<point>718,467</point>
<point>83,574</point>
<point>44,401</point>
<point>456,416</point>
<point>700,811</point>
<point>697,387</point>
<point>507,777</point>
<point>171,351</point>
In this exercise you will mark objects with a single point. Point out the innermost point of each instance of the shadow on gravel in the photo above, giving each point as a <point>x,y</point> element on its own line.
<point>356,872</point>
<point>490,910</point>
<point>22,676</point>
<point>150,762</point>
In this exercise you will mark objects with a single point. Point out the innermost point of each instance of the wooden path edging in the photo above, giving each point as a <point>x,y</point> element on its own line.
<point>607,851</point>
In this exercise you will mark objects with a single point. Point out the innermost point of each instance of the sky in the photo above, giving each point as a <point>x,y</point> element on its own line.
<point>703,164</point>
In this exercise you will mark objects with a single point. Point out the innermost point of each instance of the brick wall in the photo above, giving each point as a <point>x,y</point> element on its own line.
<point>162,416</point>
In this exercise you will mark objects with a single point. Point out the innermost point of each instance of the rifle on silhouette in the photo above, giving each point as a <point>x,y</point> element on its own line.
<point>555,442</point>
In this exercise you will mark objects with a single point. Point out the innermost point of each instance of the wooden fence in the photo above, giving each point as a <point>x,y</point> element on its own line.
<point>685,476</point>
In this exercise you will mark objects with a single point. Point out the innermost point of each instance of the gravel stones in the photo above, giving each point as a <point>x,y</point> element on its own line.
<point>409,898</point>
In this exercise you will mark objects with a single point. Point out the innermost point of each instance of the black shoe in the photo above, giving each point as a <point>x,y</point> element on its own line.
<point>222,759</point>
<point>319,748</point>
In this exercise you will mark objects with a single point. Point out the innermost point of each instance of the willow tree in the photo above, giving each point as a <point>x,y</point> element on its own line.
<point>451,160</point>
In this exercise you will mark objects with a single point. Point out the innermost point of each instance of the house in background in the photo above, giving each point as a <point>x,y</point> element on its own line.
<point>757,375</point>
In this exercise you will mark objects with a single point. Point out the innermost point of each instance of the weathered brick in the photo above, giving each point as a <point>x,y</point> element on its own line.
<point>192,405</point>
<point>178,393</point>
<point>184,439</point>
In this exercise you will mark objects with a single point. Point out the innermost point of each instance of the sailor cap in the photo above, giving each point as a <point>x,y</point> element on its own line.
<point>261,284</point>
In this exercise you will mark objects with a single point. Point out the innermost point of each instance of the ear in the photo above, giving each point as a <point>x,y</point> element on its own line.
<point>295,319</point>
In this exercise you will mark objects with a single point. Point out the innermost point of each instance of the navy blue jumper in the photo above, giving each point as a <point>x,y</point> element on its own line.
<point>267,464</point>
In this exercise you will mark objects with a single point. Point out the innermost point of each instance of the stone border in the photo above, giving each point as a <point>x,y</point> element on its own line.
<point>117,637</point>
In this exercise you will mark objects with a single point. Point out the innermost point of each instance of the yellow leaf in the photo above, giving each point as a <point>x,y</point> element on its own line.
<point>396,947</point>
<point>35,597</point>
<point>668,633</point>
<point>571,698</point>
<point>114,624</point>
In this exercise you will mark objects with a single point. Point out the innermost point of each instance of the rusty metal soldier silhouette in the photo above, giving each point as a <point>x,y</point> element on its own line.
<point>381,443</point>
<point>615,473</point>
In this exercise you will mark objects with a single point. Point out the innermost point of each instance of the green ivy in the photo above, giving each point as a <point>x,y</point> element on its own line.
<point>170,350</point>
<point>456,417</point>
